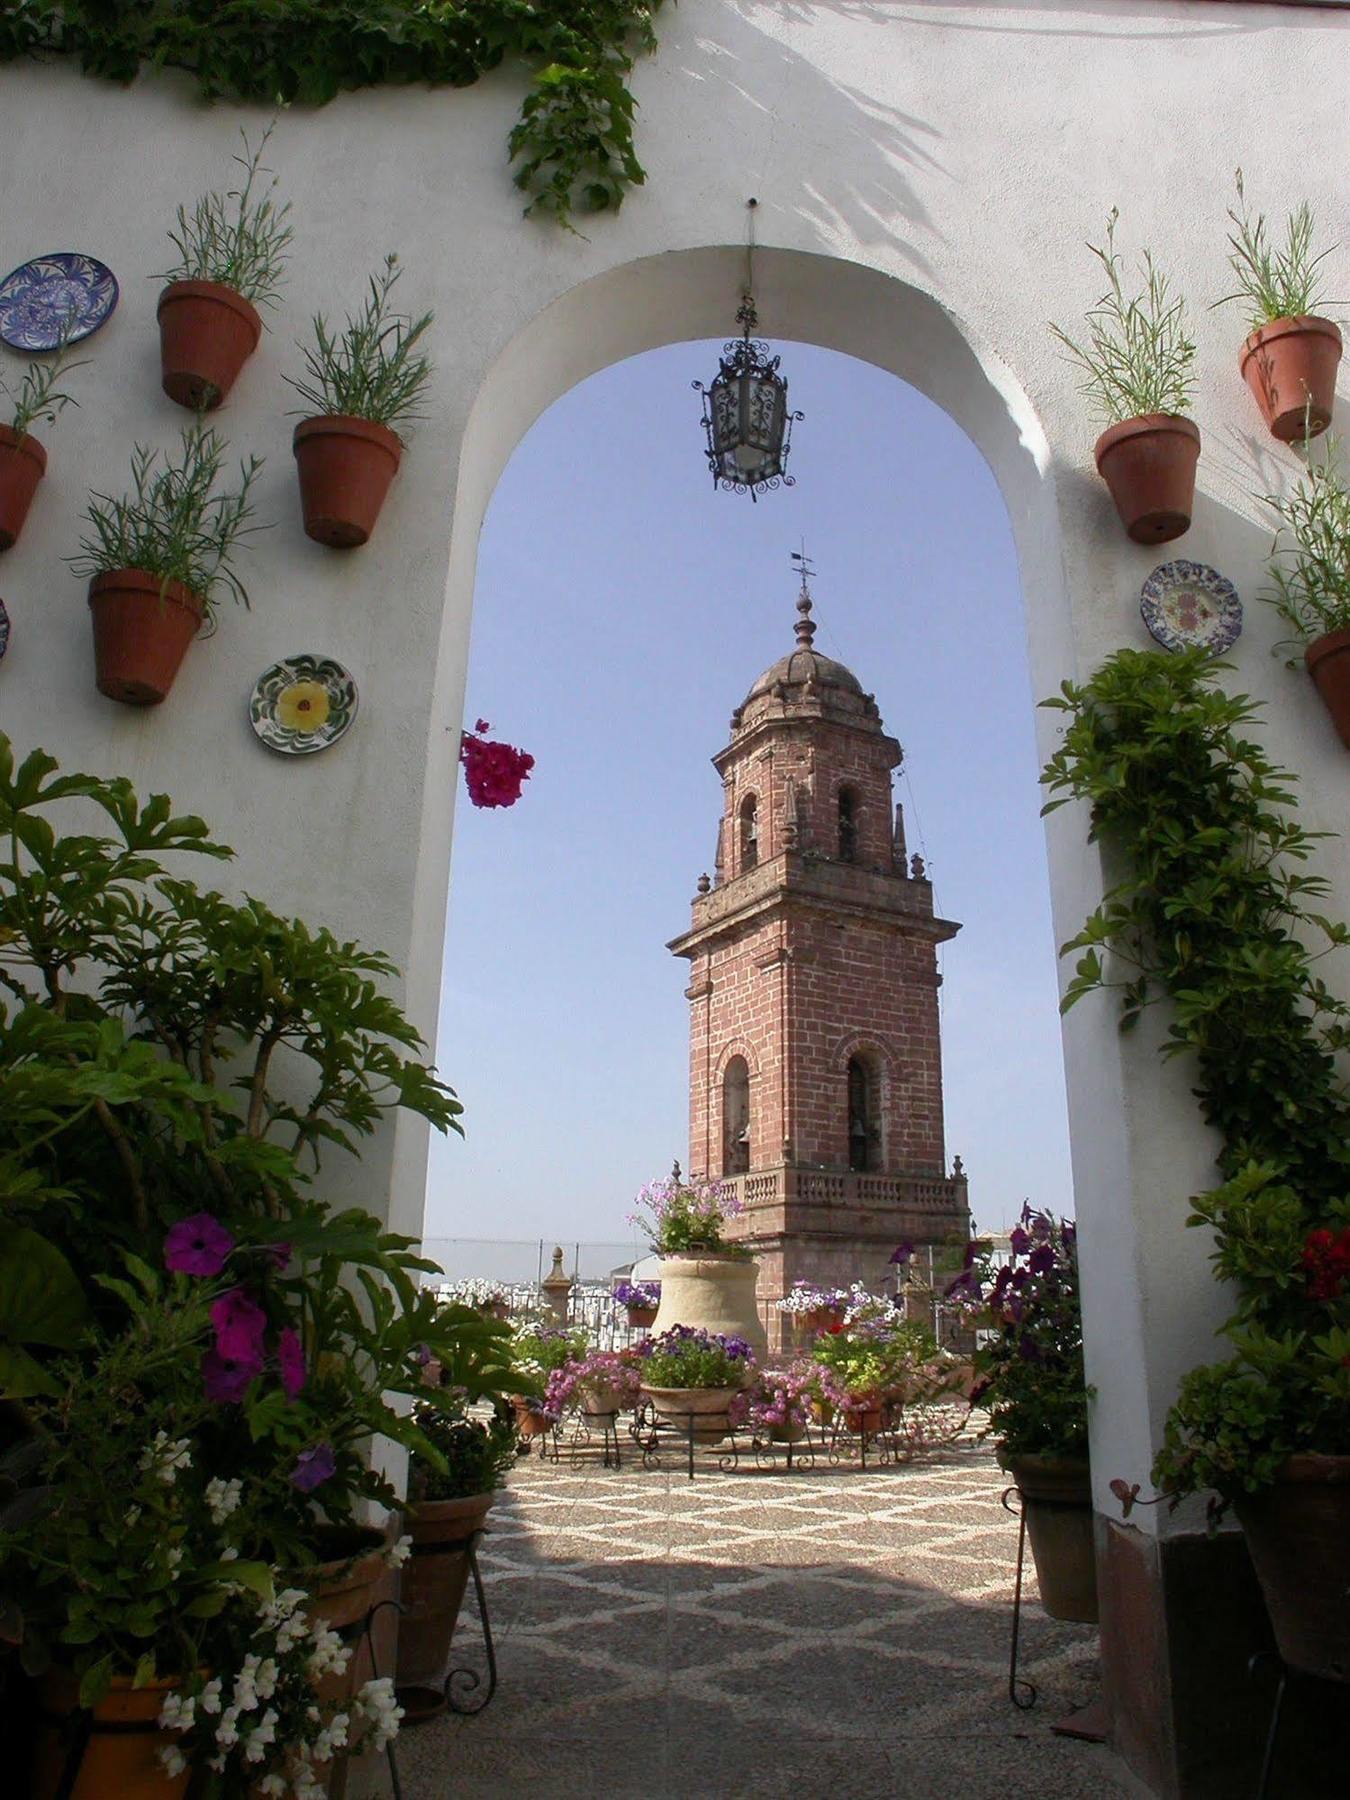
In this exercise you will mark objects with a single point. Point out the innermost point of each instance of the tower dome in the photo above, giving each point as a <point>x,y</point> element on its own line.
<point>804,665</point>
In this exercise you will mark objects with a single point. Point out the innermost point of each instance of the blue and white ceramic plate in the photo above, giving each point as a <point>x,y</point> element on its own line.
<point>1189,606</point>
<point>4,630</point>
<point>38,297</point>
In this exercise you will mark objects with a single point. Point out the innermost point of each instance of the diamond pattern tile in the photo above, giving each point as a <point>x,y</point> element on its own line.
<point>829,1633</point>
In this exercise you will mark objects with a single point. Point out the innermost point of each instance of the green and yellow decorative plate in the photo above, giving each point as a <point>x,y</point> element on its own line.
<point>302,704</point>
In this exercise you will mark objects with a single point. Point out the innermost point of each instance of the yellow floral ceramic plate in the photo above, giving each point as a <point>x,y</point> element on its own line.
<point>302,704</point>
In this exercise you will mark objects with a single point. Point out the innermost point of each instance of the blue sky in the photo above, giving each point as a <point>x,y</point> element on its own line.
<point>622,609</point>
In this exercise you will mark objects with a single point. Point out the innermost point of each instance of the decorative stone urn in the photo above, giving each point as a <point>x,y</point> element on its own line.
<point>712,1292</point>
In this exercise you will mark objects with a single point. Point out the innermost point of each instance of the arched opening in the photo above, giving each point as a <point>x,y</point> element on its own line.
<point>747,834</point>
<point>847,836</point>
<point>736,1117</point>
<point>865,1149</point>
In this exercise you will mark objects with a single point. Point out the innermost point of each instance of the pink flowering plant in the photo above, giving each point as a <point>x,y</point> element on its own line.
<point>600,1381</point>
<point>779,1402</point>
<point>679,1214</point>
<point>493,772</point>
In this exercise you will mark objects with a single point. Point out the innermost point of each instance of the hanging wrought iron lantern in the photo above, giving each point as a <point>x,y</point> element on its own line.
<point>745,408</point>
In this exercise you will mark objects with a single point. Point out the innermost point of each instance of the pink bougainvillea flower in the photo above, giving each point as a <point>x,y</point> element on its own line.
<point>197,1246</point>
<point>313,1467</point>
<point>291,1360</point>
<point>493,772</point>
<point>240,1324</point>
<point>226,1378</point>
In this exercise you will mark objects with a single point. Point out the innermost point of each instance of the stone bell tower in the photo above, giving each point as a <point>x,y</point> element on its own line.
<point>815,1076</point>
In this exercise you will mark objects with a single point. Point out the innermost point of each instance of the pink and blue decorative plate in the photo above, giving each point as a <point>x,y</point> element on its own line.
<point>1189,606</point>
<point>39,297</point>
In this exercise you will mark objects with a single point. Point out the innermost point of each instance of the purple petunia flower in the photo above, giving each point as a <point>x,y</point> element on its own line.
<point>240,1324</point>
<point>313,1467</point>
<point>1018,1241</point>
<point>197,1246</point>
<point>226,1378</point>
<point>291,1360</point>
<point>279,1254</point>
<point>1042,1259</point>
<point>903,1253</point>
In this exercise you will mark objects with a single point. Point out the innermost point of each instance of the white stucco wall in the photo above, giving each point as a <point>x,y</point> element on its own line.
<point>927,174</point>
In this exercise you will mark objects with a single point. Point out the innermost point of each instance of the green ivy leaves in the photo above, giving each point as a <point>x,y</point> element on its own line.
<point>573,142</point>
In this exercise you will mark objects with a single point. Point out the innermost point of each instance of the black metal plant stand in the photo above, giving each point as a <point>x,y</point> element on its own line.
<point>1021,1692</point>
<point>466,1699</point>
<point>584,1433</point>
<point>1287,1673</point>
<point>650,1430</point>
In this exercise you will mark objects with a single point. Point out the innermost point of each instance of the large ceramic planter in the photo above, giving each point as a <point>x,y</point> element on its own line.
<point>1149,465</point>
<point>599,1400</point>
<point>434,1579</point>
<point>704,1410</point>
<point>1298,1533</point>
<point>1290,366</point>
<point>23,463</point>
<point>142,629</point>
<point>1328,662</point>
<point>207,333</point>
<point>711,1293</point>
<point>345,467</point>
<point>1057,1504</point>
<point>121,1756</point>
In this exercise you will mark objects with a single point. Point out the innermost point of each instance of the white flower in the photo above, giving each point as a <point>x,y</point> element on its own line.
<point>131,1515</point>
<point>397,1554</point>
<point>173,1759</point>
<point>166,1456</point>
<point>177,1712</point>
<point>306,1787</point>
<point>209,1698</point>
<point>223,1498</point>
<point>272,1784</point>
<point>268,1674</point>
<point>227,1732</point>
<point>174,1558</point>
<point>263,1734</point>
<point>380,1705</point>
<point>230,1554</point>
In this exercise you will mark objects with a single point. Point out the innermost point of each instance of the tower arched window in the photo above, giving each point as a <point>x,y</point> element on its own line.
<point>848,825</point>
<point>749,832</point>
<point>864,1114</point>
<point>736,1117</point>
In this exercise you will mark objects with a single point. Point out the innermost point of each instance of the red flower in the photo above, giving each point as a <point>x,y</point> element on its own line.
<point>1326,1263</point>
<point>493,772</point>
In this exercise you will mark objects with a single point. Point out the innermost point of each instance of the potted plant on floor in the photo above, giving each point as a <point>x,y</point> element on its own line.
<point>540,1352</point>
<point>692,1377</point>
<point>1310,570</point>
<point>778,1404</point>
<point>23,461</point>
<point>1290,358</point>
<point>231,254</point>
<point>1212,908</point>
<point>811,1308</point>
<point>599,1384</point>
<point>870,1367</point>
<point>1137,360</point>
<point>706,1281</point>
<point>362,385</point>
<point>448,1504</point>
<point>1030,1379</point>
<point>159,559</point>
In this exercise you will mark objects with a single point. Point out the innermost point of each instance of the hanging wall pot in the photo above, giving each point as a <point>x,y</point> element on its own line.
<point>1290,365</point>
<point>23,462</point>
<point>142,629</point>
<point>207,332</point>
<point>1149,465</point>
<point>345,466</point>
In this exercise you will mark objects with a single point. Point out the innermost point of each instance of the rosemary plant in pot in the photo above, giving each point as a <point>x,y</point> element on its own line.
<point>1291,355</point>
<point>1030,1378</point>
<point>23,461</point>
<point>1310,574</point>
<point>362,384</point>
<point>231,253</point>
<point>158,560</point>
<point>1137,362</point>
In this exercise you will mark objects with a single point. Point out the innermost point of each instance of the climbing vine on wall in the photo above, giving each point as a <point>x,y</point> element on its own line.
<point>572,145</point>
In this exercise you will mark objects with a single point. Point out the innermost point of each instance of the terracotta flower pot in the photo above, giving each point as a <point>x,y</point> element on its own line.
<point>434,1579</point>
<point>1290,365</point>
<point>207,333</point>
<point>1298,1533</point>
<point>599,1399</point>
<point>1057,1500</point>
<point>1328,662</point>
<point>820,1318</point>
<point>345,467</point>
<point>140,634</point>
<point>23,462</point>
<point>640,1316</point>
<point>531,1420</point>
<point>121,1756</point>
<point>703,1408</point>
<point>1149,465</point>
<point>864,1417</point>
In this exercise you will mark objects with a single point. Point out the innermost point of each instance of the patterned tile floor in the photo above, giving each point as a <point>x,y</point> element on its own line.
<point>824,1633</point>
